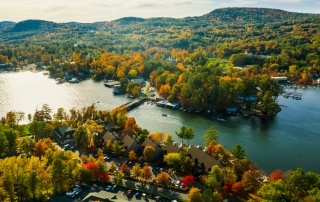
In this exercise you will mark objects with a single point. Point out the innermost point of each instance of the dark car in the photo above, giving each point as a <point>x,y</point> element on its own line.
<point>137,194</point>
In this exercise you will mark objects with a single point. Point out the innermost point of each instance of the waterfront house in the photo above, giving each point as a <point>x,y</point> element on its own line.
<point>202,161</point>
<point>158,152</point>
<point>63,134</point>
<point>108,136</point>
<point>170,148</point>
<point>130,144</point>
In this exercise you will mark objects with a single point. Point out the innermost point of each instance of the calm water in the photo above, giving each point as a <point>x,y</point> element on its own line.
<point>287,141</point>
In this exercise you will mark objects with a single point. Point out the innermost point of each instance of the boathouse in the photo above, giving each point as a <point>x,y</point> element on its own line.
<point>281,80</point>
<point>232,110</point>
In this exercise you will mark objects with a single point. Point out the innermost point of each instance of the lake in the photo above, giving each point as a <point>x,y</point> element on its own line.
<point>287,141</point>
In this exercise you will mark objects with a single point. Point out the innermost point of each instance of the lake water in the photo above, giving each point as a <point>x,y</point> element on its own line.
<point>287,141</point>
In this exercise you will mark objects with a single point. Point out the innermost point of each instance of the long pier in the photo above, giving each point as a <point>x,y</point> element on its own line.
<point>133,103</point>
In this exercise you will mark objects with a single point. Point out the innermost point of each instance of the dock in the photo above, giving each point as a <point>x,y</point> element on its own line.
<point>111,83</point>
<point>133,103</point>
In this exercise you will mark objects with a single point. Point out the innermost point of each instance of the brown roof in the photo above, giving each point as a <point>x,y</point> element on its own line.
<point>130,144</point>
<point>149,142</point>
<point>171,148</point>
<point>202,160</point>
<point>108,136</point>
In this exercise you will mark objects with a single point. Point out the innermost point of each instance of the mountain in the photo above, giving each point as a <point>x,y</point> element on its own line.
<point>28,25</point>
<point>252,15</point>
<point>6,24</point>
<point>73,23</point>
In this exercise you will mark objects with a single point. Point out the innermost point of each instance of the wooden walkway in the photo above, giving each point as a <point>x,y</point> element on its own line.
<point>133,103</point>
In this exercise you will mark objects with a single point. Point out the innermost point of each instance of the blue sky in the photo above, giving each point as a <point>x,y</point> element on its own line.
<point>107,10</point>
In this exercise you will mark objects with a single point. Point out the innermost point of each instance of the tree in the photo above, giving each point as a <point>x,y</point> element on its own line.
<point>81,137</point>
<point>237,188</point>
<point>274,191</point>
<point>11,137</point>
<point>136,171</point>
<point>214,178</point>
<point>210,196</point>
<point>104,177</point>
<point>250,180</point>
<point>228,174</point>
<point>187,165</point>
<point>182,133</point>
<point>149,152</point>
<point>275,175</point>
<point>112,166</point>
<point>132,155</point>
<point>117,149</point>
<point>143,135</point>
<point>39,149</point>
<point>3,143</point>
<point>194,195</point>
<point>211,134</point>
<point>119,178</point>
<point>173,159</point>
<point>168,138</point>
<point>125,168</point>
<point>189,135</point>
<point>162,178</point>
<point>26,145</point>
<point>188,180</point>
<point>146,173</point>
<point>238,152</point>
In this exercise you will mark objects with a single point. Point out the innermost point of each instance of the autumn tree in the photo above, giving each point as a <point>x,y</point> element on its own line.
<point>168,139</point>
<point>39,149</point>
<point>162,178</point>
<point>194,195</point>
<point>275,175</point>
<point>132,155</point>
<point>136,171</point>
<point>149,152</point>
<point>146,173</point>
<point>119,178</point>
<point>188,180</point>
<point>173,159</point>
<point>117,149</point>
<point>187,165</point>
<point>125,168</point>
<point>112,167</point>
<point>250,180</point>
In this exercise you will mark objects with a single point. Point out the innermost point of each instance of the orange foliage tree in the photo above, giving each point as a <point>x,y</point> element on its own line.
<point>146,173</point>
<point>275,175</point>
<point>124,168</point>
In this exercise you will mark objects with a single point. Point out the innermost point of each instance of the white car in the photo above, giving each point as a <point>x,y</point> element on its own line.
<point>70,194</point>
<point>177,183</point>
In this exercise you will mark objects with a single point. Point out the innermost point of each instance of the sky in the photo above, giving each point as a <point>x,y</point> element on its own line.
<point>87,11</point>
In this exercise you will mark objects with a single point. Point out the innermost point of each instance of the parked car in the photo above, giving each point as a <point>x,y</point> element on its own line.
<point>183,185</point>
<point>70,195</point>
<point>137,194</point>
<point>106,158</point>
<point>108,188</point>
<point>129,192</point>
<point>177,183</point>
<point>157,198</point>
<point>114,187</point>
<point>66,146</point>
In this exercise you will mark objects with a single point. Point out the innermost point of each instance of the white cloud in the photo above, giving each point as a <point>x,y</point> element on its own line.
<point>101,10</point>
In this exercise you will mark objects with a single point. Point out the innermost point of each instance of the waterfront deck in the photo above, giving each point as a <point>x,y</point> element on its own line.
<point>111,83</point>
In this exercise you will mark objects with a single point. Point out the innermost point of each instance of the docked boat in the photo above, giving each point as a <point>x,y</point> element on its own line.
<point>164,114</point>
<point>208,111</point>
<point>221,119</point>
<point>246,115</point>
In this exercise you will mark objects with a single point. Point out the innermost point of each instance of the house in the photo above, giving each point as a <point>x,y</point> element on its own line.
<point>202,161</point>
<point>170,148</point>
<point>280,80</point>
<point>63,134</point>
<point>149,142</point>
<point>108,136</point>
<point>130,144</point>
<point>138,80</point>
<point>101,196</point>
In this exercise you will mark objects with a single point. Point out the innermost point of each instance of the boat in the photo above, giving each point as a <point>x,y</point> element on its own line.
<point>221,119</point>
<point>164,114</point>
<point>246,115</point>
<point>208,111</point>
<point>98,102</point>
<point>198,110</point>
